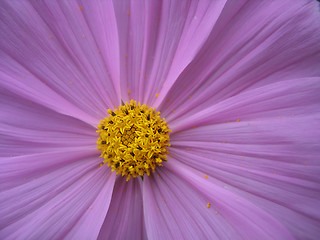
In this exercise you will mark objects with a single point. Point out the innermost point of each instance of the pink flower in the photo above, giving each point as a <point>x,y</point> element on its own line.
<point>237,81</point>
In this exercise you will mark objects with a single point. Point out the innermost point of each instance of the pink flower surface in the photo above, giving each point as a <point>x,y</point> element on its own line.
<point>237,81</point>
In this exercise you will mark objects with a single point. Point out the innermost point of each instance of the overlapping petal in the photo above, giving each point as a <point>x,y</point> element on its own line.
<point>125,218</point>
<point>251,45</point>
<point>238,82</point>
<point>157,40</point>
<point>50,56</point>
<point>57,195</point>
<point>263,146</point>
<point>27,127</point>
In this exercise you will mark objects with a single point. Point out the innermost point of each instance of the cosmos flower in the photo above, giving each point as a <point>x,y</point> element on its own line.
<point>220,140</point>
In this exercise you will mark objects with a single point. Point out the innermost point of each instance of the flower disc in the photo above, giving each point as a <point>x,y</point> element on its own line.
<point>133,139</point>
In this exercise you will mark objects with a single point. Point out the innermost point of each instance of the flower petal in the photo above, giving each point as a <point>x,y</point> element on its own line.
<point>176,210</point>
<point>27,127</point>
<point>125,217</point>
<point>17,170</point>
<point>58,203</point>
<point>250,46</point>
<point>272,162</point>
<point>49,55</point>
<point>281,99</point>
<point>153,50</point>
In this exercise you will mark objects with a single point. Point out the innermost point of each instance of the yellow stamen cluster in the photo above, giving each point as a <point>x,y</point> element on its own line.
<point>133,139</point>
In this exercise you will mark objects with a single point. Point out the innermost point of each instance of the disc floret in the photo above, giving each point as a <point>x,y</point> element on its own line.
<point>133,139</point>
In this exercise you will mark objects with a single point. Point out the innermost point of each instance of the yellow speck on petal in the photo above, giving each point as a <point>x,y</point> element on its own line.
<point>70,82</point>
<point>129,92</point>
<point>80,8</point>
<point>208,205</point>
<point>99,51</point>
<point>157,95</point>
<point>91,208</point>
<point>190,96</point>
<point>133,140</point>
<point>173,110</point>
<point>50,36</point>
<point>206,176</point>
<point>193,127</point>
<point>217,212</point>
<point>83,35</point>
<point>238,120</point>
<point>126,55</point>
<point>128,12</point>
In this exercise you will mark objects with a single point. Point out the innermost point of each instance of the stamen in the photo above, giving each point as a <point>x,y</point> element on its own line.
<point>133,139</point>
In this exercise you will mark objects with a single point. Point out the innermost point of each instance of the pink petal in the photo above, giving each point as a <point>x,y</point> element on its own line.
<point>125,217</point>
<point>174,209</point>
<point>272,162</point>
<point>62,203</point>
<point>50,56</point>
<point>281,99</point>
<point>250,46</point>
<point>27,127</point>
<point>15,171</point>
<point>153,49</point>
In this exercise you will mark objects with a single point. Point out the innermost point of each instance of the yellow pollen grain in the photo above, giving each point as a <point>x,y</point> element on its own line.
<point>83,35</point>
<point>80,8</point>
<point>129,92</point>
<point>128,12</point>
<point>206,176</point>
<point>157,95</point>
<point>133,140</point>
<point>208,205</point>
<point>238,120</point>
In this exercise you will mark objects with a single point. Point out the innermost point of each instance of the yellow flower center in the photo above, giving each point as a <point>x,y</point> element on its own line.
<point>133,139</point>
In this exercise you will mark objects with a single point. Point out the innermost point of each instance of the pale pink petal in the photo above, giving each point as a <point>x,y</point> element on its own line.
<point>17,170</point>
<point>27,127</point>
<point>174,209</point>
<point>124,219</point>
<point>157,40</point>
<point>263,145</point>
<point>250,46</point>
<point>281,99</point>
<point>50,56</point>
<point>61,203</point>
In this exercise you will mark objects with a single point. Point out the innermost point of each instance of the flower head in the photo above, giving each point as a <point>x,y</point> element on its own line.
<point>159,119</point>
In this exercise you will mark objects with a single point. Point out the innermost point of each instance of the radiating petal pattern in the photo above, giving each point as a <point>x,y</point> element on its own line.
<point>237,81</point>
<point>153,51</point>
<point>52,57</point>
<point>27,127</point>
<point>263,146</point>
<point>125,216</point>
<point>176,203</point>
<point>51,201</point>
<point>238,57</point>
